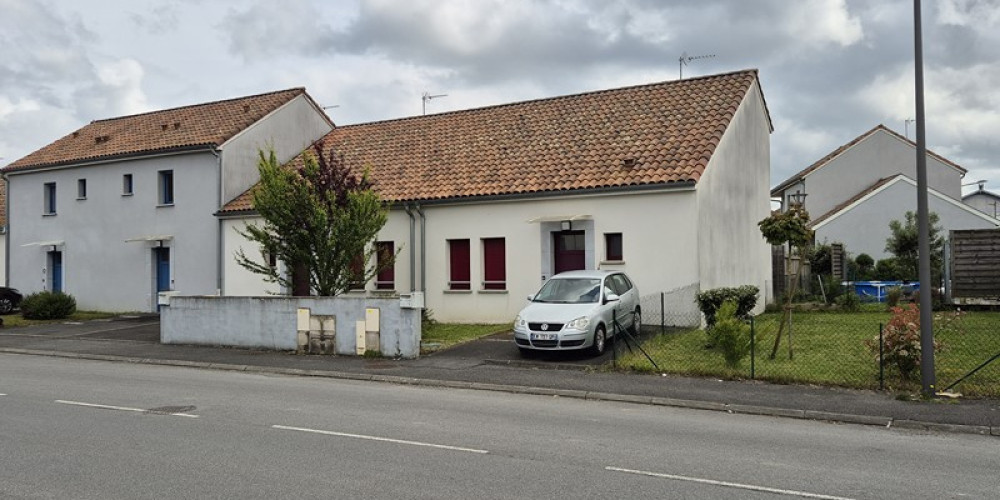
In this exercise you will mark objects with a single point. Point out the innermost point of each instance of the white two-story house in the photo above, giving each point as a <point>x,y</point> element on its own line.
<point>124,208</point>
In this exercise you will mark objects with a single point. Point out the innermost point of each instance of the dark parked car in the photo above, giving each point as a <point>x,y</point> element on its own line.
<point>10,299</point>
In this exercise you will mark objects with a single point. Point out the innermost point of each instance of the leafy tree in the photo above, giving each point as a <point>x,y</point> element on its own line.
<point>790,227</point>
<point>821,259</point>
<point>903,244</point>
<point>865,265</point>
<point>320,219</point>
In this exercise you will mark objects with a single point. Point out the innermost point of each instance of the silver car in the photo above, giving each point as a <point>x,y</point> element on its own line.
<point>576,310</point>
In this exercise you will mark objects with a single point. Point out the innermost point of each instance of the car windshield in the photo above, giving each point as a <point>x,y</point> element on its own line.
<point>570,291</point>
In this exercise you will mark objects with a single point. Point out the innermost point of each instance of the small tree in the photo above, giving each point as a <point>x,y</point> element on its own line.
<point>790,227</point>
<point>731,334</point>
<point>320,219</point>
<point>903,244</point>
<point>866,265</point>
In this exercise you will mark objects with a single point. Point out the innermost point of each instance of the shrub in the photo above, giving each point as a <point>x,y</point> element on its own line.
<point>731,335</point>
<point>901,341</point>
<point>887,270</point>
<point>48,305</point>
<point>711,300</point>
<point>893,295</point>
<point>849,302</point>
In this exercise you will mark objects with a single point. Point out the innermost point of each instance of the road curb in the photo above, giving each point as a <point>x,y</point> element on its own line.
<point>885,422</point>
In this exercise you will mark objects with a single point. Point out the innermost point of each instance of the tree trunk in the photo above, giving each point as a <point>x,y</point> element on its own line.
<point>787,312</point>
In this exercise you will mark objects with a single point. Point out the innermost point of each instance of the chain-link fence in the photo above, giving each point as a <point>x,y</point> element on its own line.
<point>871,349</point>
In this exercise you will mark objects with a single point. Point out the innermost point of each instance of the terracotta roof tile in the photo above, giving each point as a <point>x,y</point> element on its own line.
<point>667,130</point>
<point>209,124</point>
<point>836,152</point>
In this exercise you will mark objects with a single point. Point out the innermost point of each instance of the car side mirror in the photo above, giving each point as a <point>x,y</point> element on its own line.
<point>611,298</point>
<point>531,297</point>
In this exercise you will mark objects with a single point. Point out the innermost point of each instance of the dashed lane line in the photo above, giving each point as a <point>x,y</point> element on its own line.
<point>122,408</point>
<point>378,438</point>
<point>750,487</point>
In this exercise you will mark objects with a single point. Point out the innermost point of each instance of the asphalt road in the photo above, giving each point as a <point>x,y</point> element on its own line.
<point>91,429</point>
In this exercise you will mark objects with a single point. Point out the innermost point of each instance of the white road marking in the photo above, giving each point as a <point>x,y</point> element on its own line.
<point>122,408</point>
<point>727,484</point>
<point>1,394</point>
<point>377,438</point>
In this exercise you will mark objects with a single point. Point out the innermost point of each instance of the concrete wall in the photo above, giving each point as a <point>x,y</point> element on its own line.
<point>659,244</point>
<point>290,129</point>
<point>864,228</point>
<point>733,195</point>
<point>879,156</point>
<point>101,269</point>
<point>273,322</point>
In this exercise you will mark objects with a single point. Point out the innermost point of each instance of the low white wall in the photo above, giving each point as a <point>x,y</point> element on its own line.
<point>273,322</point>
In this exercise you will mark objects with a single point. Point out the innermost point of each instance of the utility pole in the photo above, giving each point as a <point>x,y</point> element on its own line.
<point>927,376</point>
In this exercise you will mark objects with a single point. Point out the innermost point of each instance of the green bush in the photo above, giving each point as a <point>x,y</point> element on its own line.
<point>887,270</point>
<point>893,296</point>
<point>849,302</point>
<point>709,301</point>
<point>730,334</point>
<point>48,305</point>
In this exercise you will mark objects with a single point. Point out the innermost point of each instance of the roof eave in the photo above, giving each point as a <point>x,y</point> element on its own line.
<point>12,170</point>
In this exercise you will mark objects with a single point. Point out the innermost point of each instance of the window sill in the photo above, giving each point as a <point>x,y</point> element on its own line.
<point>49,214</point>
<point>82,199</point>
<point>127,194</point>
<point>612,263</point>
<point>492,292</point>
<point>459,292</point>
<point>164,205</point>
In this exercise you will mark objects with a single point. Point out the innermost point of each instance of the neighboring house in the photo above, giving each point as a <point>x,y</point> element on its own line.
<point>666,181</point>
<point>855,191</point>
<point>124,208</point>
<point>985,201</point>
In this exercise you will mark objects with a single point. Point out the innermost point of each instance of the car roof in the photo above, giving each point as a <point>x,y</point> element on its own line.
<point>589,273</point>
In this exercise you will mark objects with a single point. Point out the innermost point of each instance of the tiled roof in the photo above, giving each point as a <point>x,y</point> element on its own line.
<point>204,125</point>
<point>652,134</point>
<point>835,153</point>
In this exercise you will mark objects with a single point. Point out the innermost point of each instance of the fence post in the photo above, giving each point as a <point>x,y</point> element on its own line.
<point>663,316</point>
<point>753,346</point>
<point>881,361</point>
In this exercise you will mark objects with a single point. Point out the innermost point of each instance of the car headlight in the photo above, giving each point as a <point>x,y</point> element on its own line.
<point>519,321</point>
<point>580,323</point>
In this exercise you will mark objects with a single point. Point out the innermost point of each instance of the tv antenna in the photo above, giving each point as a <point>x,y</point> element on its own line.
<point>685,59</point>
<point>906,127</point>
<point>981,183</point>
<point>427,96</point>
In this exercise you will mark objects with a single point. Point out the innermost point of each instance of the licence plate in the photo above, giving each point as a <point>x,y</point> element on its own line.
<point>543,336</point>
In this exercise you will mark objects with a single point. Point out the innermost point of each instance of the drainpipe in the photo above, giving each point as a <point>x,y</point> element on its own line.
<point>220,240</point>
<point>413,255</point>
<point>423,249</point>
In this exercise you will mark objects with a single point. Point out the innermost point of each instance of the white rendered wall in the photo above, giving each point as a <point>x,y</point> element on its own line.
<point>659,243</point>
<point>865,227</point>
<point>3,259</point>
<point>733,196</point>
<point>879,156</point>
<point>289,129</point>
<point>101,270</point>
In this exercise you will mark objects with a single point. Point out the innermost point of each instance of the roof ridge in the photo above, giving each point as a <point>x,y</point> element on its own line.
<point>754,71</point>
<point>198,105</point>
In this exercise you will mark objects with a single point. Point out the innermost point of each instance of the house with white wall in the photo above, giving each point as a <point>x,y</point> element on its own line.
<point>983,200</point>
<point>856,190</point>
<point>665,181</point>
<point>124,208</point>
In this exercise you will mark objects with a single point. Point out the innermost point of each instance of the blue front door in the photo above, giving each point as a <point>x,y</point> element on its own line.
<point>162,268</point>
<point>55,264</point>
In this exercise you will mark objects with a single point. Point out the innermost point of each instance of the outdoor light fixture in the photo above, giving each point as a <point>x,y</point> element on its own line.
<point>567,225</point>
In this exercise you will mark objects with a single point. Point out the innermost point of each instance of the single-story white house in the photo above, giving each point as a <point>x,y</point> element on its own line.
<point>665,181</point>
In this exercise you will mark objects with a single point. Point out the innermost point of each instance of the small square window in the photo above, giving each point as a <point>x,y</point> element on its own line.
<point>81,189</point>
<point>127,185</point>
<point>49,190</point>
<point>613,246</point>
<point>166,187</point>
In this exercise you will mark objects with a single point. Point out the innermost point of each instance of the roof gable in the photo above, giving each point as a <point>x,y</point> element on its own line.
<point>200,125</point>
<point>882,184</point>
<point>653,134</point>
<point>857,140</point>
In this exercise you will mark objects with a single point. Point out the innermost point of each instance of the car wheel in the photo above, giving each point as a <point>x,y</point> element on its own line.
<point>636,321</point>
<point>600,341</point>
<point>6,306</point>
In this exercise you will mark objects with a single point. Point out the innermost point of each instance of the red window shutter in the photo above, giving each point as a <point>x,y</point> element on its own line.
<point>494,264</point>
<point>386,279</point>
<point>460,275</point>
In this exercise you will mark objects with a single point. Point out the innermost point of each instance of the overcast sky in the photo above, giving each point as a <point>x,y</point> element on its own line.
<point>830,69</point>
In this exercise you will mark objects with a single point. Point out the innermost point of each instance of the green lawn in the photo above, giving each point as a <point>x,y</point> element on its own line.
<point>15,320</point>
<point>829,349</point>
<point>450,334</point>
